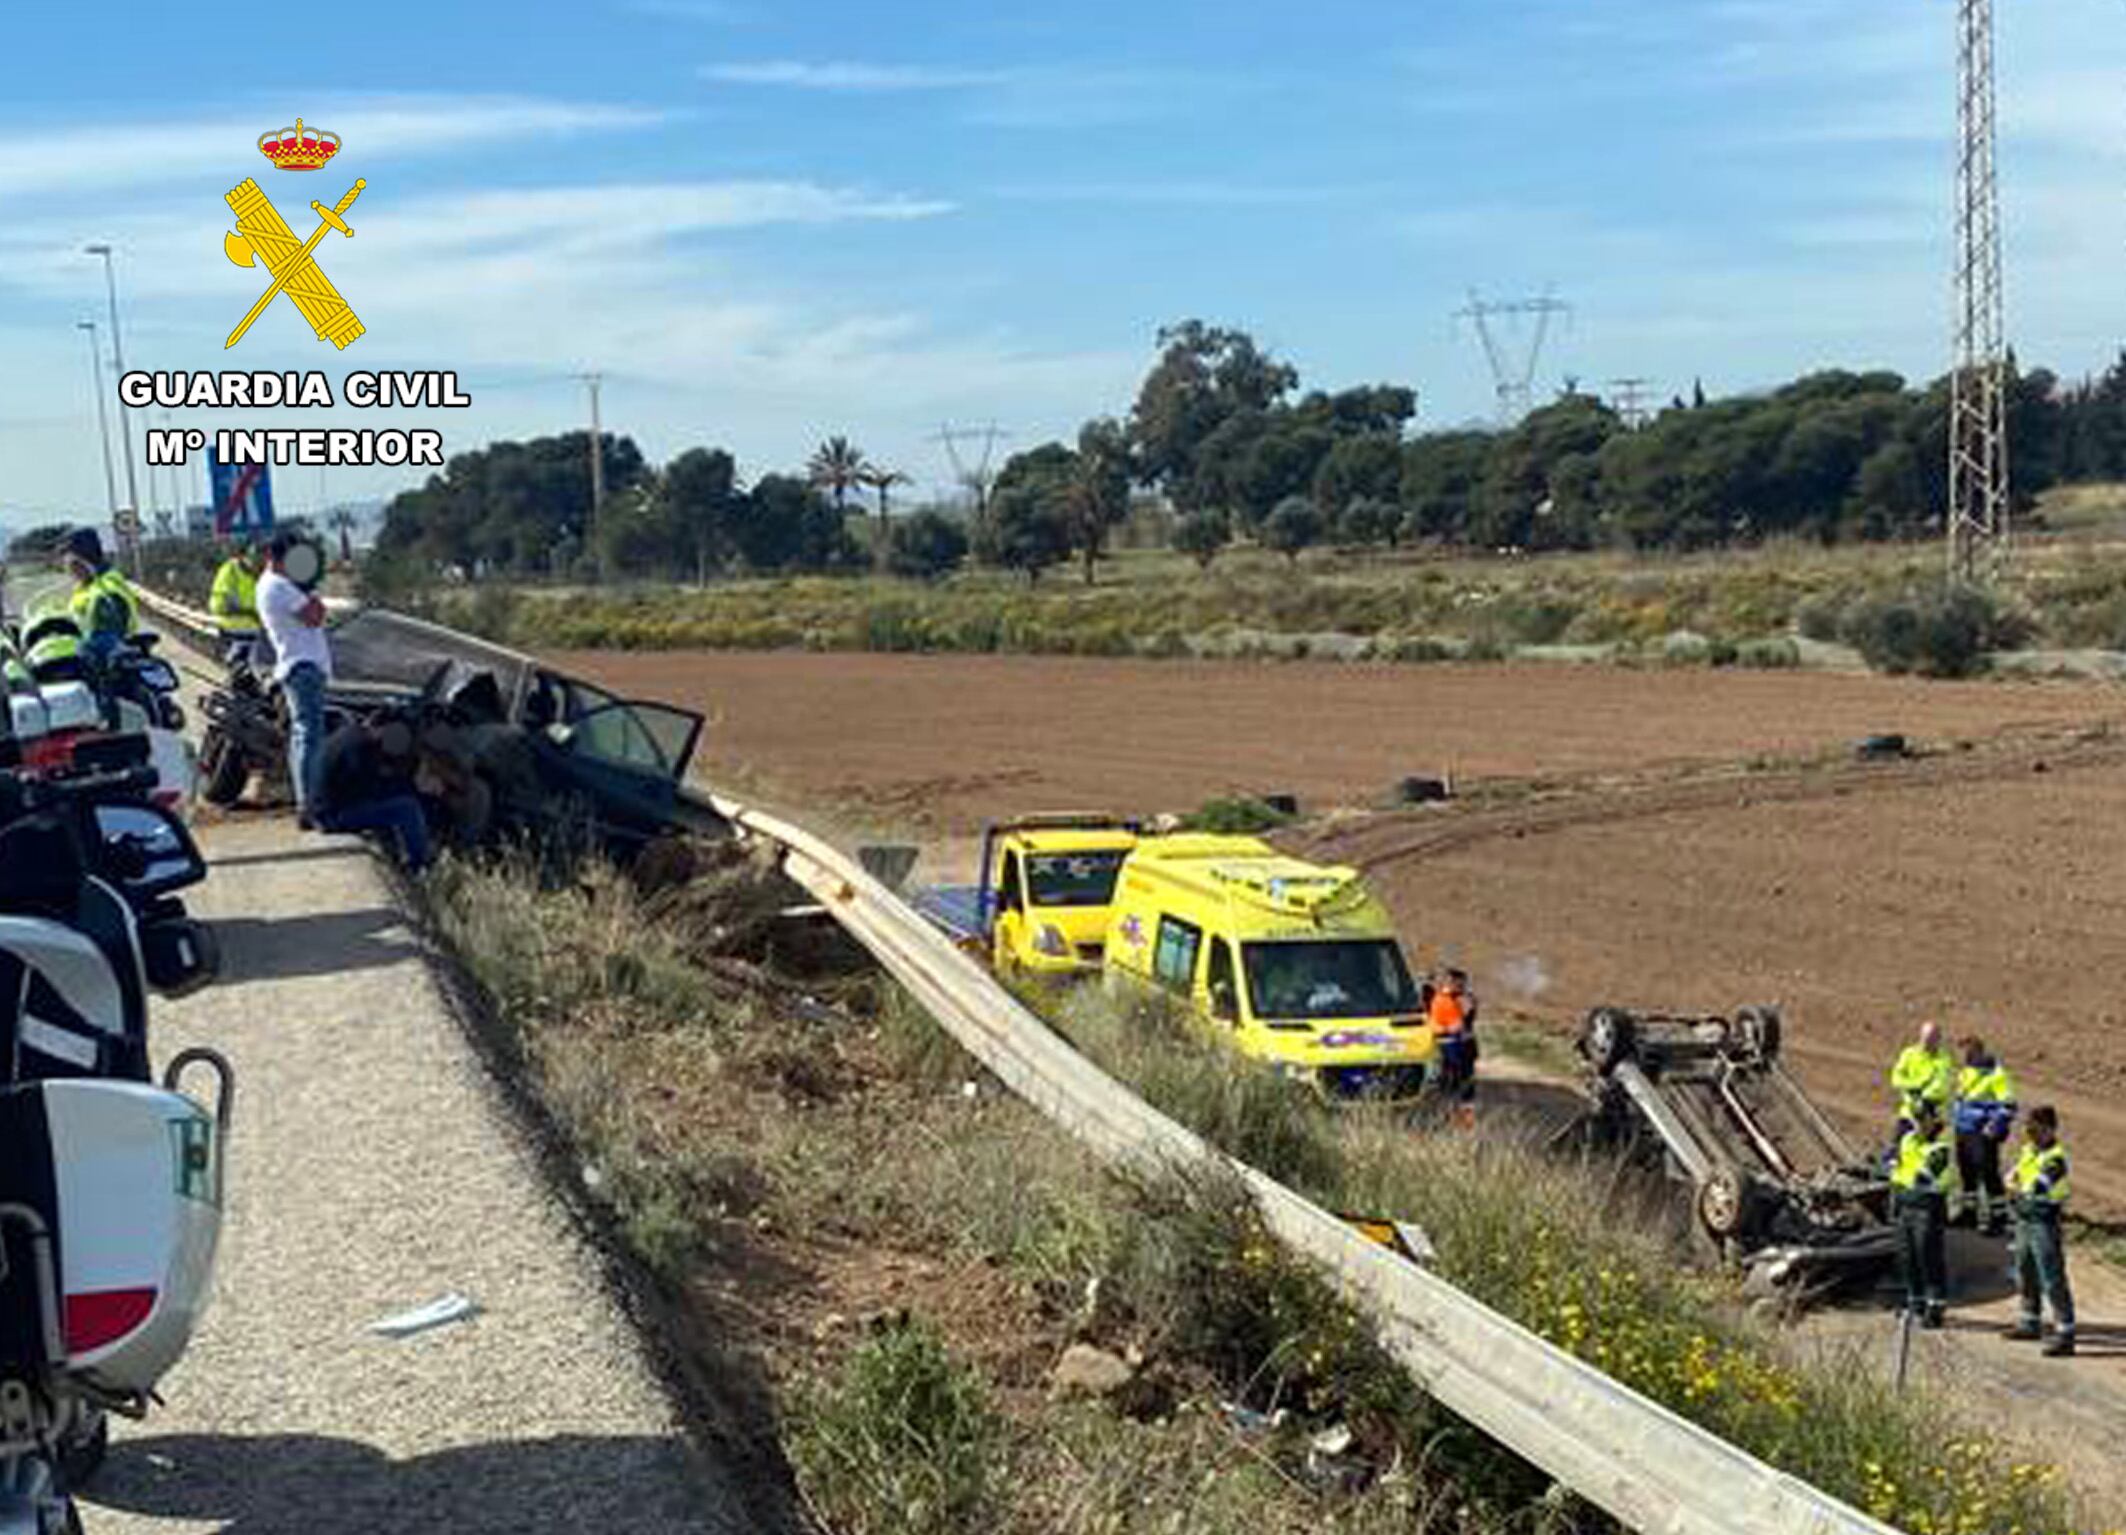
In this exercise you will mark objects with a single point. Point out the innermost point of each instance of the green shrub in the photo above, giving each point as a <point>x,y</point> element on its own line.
<point>1769,655</point>
<point>1234,815</point>
<point>892,626</point>
<point>1933,633</point>
<point>904,1442</point>
<point>1420,648</point>
<point>1821,617</point>
<point>1525,619</point>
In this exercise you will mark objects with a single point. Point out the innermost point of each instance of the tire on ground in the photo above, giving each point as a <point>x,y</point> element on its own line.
<point>223,769</point>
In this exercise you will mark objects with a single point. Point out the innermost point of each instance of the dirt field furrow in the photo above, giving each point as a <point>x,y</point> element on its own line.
<point>946,741</point>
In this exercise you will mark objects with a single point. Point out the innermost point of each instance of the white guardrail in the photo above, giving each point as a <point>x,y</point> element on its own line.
<point>1649,1468</point>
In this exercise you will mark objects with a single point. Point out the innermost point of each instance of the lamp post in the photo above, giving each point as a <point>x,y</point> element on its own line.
<point>125,425</point>
<point>103,414</point>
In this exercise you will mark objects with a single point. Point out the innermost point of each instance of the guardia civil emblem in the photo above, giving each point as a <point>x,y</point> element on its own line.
<point>262,236</point>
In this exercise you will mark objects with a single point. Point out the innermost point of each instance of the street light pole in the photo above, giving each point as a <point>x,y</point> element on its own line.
<point>103,414</point>
<point>125,424</point>
<point>592,381</point>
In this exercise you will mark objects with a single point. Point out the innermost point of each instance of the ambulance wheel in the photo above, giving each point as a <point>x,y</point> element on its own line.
<point>224,770</point>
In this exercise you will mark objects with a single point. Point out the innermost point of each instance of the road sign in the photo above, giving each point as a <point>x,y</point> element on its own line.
<point>243,496</point>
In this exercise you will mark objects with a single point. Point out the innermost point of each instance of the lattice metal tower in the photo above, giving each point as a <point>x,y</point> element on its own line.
<point>1629,398</point>
<point>1513,376</point>
<point>1978,509</point>
<point>972,473</point>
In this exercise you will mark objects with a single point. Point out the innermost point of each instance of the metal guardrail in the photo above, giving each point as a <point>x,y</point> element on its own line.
<point>1647,1467</point>
<point>1644,1465</point>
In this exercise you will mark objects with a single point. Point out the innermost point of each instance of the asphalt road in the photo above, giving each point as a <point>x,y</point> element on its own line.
<point>373,1168</point>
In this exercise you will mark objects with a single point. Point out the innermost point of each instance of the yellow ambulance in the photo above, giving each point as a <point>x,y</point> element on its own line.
<point>1293,963</point>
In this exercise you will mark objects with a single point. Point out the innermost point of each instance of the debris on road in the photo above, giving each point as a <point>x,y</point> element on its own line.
<point>441,1312</point>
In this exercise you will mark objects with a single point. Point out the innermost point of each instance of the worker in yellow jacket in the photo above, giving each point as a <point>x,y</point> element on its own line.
<point>1925,1072</point>
<point>233,603</point>
<point>1922,1178</point>
<point>2038,1186</point>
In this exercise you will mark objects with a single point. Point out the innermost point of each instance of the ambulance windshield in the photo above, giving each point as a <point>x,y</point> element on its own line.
<point>1328,978</point>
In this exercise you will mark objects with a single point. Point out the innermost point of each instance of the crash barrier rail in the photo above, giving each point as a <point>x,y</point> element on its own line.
<point>1644,1465</point>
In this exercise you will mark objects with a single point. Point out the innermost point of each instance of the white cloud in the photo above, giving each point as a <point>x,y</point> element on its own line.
<point>1044,96</point>
<point>1203,194</point>
<point>371,128</point>
<point>850,76</point>
<point>700,339</point>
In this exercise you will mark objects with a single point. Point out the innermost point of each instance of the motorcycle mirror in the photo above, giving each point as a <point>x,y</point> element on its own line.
<point>148,849</point>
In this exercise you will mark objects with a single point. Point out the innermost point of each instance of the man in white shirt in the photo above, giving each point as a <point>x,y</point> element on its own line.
<point>294,621</point>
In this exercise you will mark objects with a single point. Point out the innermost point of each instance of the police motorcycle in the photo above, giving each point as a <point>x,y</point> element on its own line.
<point>110,1183</point>
<point>91,686</point>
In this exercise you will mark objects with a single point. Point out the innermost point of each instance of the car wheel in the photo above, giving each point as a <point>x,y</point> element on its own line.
<point>1609,1038</point>
<point>1759,1030</point>
<point>1727,1203</point>
<point>224,768</point>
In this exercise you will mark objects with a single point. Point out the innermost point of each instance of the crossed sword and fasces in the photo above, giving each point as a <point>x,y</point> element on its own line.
<point>261,233</point>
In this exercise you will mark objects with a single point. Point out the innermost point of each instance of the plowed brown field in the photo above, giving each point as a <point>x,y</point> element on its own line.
<point>1971,886</point>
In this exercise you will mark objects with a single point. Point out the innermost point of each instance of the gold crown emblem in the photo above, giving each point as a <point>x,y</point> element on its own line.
<point>293,150</point>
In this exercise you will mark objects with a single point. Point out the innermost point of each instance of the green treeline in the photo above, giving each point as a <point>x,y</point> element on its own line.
<point>1222,444</point>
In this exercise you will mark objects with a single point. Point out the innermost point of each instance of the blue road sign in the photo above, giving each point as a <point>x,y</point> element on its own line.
<point>243,496</point>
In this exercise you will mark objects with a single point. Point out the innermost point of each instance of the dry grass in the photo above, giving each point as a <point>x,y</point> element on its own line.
<point>1737,607</point>
<point>1574,1250</point>
<point>849,1167</point>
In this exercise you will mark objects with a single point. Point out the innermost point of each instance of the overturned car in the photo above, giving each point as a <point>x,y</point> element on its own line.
<point>1774,1184</point>
<point>516,749</point>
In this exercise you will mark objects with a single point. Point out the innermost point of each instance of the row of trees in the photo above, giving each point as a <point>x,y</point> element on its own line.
<point>523,509</point>
<point>1220,429</point>
<point>1224,442</point>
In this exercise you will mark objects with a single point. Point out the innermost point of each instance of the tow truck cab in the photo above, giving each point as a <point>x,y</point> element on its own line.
<point>1294,964</point>
<point>1048,884</point>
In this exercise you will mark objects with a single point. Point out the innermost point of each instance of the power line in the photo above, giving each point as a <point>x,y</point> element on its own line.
<point>1978,511</point>
<point>1512,373</point>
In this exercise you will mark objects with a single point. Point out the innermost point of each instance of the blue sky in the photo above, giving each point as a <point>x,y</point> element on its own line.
<point>767,222</point>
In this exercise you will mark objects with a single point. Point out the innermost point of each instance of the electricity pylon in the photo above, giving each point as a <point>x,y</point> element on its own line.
<point>1513,376</point>
<point>974,474</point>
<point>1978,510</point>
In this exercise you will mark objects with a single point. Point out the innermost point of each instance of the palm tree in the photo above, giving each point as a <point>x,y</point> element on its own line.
<point>343,520</point>
<point>838,467</point>
<point>883,480</point>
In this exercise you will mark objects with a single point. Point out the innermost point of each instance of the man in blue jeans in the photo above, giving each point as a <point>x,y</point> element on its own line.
<point>294,621</point>
<point>365,784</point>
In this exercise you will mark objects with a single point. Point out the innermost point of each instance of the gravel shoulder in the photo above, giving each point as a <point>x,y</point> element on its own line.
<point>373,1168</point>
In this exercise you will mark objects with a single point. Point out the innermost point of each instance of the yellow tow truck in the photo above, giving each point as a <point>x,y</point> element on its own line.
<point>1042,898</point>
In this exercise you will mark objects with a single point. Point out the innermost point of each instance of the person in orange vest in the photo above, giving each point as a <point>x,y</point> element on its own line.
<point>1453,1019</point>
